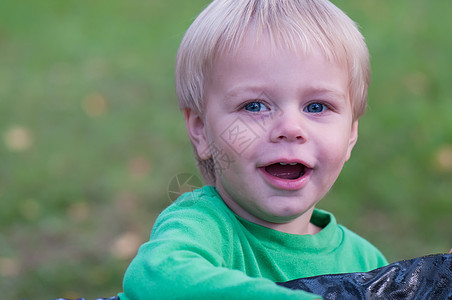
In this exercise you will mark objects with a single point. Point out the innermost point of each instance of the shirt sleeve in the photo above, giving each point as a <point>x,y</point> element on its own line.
<point>183,260</point>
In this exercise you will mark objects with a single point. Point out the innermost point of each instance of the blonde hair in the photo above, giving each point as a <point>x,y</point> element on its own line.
<point>301,25</point>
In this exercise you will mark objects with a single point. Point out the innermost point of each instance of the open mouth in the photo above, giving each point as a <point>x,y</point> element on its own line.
<point>289,171</point>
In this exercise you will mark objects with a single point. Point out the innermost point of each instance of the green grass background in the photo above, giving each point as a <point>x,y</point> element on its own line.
<point>90,136</point>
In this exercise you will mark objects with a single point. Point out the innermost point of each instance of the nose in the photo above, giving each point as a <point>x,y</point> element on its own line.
<point>289,127</point>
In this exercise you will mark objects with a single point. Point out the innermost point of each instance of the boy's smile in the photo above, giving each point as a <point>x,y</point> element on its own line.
<point>289,175</point>
<point>283,120</point>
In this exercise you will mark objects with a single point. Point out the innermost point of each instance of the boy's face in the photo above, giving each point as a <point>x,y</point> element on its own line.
<point>279,127</point>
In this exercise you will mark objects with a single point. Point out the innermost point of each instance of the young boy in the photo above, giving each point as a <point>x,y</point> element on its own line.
<point>272,91</point>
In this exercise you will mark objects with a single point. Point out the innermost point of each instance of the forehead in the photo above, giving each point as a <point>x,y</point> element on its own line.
<point>257,49</point>
<point>258,67</point>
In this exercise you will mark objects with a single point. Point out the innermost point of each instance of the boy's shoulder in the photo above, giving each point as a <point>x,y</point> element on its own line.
<point>325,220</point>
<point>205,200</point>
<point>360,248</point>
<point>355,239</point>
<point>196,210</point>
<point>197,196</point>
<point>349,246</point>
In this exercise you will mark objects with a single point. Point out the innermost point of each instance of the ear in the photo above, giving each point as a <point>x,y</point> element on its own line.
<point>352,140</point>
<point>197,133</point>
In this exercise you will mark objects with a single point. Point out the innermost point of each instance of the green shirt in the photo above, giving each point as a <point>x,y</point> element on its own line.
<point>199,249</point>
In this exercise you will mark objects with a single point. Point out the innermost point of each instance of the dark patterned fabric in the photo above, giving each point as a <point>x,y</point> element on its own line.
<point>428,277</point>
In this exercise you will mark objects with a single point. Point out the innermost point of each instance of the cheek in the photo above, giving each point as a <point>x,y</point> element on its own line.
<point>333,156</point>
<point>236,137</point>
<point>335,152</point>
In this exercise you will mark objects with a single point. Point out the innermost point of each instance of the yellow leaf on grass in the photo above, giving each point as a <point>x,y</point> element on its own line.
<point>18,139</point>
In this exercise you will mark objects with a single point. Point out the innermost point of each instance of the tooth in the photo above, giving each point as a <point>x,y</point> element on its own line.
<point>293,164</point>
<point>283,164</point>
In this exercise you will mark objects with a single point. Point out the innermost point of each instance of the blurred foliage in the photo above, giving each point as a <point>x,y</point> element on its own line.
<point>91,136</point>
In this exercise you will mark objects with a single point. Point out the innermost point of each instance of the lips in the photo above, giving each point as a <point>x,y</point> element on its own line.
<point>288,171</point>
<point>289,175</point>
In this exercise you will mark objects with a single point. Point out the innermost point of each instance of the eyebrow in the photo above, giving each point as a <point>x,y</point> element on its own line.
<point>325,91</point>
<point>253,91</point>
<point>260,93</point>
<point>244,89</point>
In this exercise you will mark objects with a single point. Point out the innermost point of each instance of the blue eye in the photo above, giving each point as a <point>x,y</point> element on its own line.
<point>315,108</point>
<point>255,107</point>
